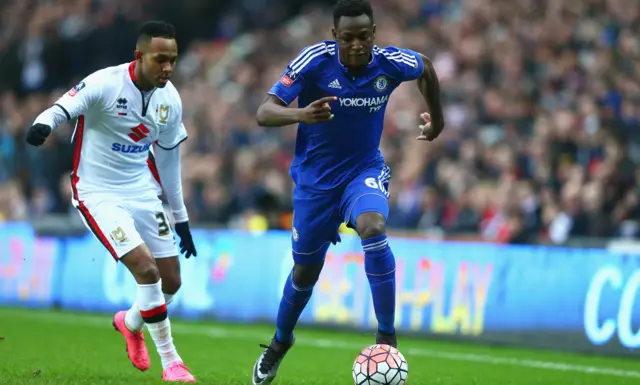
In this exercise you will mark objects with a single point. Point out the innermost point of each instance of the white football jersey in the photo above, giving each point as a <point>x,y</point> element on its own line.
<point>117,126</point>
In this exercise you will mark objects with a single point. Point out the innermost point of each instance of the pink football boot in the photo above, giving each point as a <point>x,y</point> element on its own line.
<point>177,372</point>
<point>136,349</point>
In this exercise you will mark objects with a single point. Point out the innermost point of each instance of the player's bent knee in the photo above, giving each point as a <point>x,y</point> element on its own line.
<point>306,275</point>
<point>370,225</point>
<point>315,257</point>
<point>170,274</point>
<point>171,285</point>
<point>142,266</point>
<point>147,274</point>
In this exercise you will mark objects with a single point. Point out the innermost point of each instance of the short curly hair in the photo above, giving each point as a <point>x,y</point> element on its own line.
<point>351,8</point>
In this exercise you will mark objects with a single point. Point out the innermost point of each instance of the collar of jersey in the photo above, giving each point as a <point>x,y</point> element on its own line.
<point>369,66</point>
<point>132,71</point>
<point>132,75</point>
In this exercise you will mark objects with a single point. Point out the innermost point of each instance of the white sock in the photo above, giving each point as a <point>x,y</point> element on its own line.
<point>161,334</point>
<point>133,319</point>
<point>154,312</point>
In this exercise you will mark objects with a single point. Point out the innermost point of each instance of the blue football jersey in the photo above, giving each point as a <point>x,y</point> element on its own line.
<point>329,154</point>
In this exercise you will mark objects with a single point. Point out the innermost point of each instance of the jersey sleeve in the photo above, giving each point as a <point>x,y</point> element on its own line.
<point>168,163</point>
<point>407,63</point>
<point>82,97</point>
<point>175,132</point>
<point>292,81</point>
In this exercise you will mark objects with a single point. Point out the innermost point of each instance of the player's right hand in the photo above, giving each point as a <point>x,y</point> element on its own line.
<point>38,133</point>
<point>318,111</point>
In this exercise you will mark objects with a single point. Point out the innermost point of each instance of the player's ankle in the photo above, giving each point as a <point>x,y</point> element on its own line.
<point>130,328</point>
<point>133,320</point>
<point>170,358</point>
<point>283,339</point>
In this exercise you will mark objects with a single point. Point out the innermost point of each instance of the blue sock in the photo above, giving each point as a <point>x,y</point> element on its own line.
<point>380,266</point>
<point>294,299</point>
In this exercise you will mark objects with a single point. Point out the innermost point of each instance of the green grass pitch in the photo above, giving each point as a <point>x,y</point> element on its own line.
<point>52,347</point>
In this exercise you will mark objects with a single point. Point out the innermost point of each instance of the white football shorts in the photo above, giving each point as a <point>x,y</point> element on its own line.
<point>121,225</point>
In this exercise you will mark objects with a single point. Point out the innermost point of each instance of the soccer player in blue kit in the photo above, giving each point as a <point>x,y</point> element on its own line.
<point>342,87</point>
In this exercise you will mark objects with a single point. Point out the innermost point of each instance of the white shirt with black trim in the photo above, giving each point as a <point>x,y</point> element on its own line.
<point>117,126</point>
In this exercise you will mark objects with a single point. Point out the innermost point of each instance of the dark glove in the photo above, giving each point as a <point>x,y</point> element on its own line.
<point>37,134</point>
<point>186,241</point>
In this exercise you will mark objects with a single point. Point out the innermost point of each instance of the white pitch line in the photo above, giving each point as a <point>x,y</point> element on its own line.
<point>222,333</point>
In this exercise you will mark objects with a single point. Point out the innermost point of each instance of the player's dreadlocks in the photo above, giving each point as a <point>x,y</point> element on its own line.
<point>351,8</point>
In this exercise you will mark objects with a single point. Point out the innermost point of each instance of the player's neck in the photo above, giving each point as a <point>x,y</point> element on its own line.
<point>140,81</point>
<point>355,70</point>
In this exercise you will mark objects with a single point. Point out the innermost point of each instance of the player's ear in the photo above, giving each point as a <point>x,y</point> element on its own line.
<point>138,55</point>
<point>374,31</point>
<point>333,32</point>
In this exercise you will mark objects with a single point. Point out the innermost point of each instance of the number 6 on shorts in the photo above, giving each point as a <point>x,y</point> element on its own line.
<point>371,182</point>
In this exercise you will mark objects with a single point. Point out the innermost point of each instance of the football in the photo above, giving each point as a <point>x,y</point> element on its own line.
<point>380,365</point>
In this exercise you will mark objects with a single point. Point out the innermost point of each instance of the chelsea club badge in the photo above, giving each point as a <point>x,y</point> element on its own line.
<point>381,83</point>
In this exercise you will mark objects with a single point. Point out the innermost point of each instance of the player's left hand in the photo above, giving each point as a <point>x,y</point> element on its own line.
<point>187,246</point>
<point>431,128</point>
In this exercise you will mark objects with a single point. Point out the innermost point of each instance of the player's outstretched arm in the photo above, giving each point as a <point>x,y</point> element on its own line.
<point>274,113</point>
<point>74,103</point>
<point>44,124</point>
<point>168,162</point>
<point>429,87</point>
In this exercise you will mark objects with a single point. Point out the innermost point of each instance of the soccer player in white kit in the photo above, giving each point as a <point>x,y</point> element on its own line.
<point>121,113</point>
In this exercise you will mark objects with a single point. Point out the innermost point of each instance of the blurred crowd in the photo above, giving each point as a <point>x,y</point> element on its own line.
<point>542,103</point>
